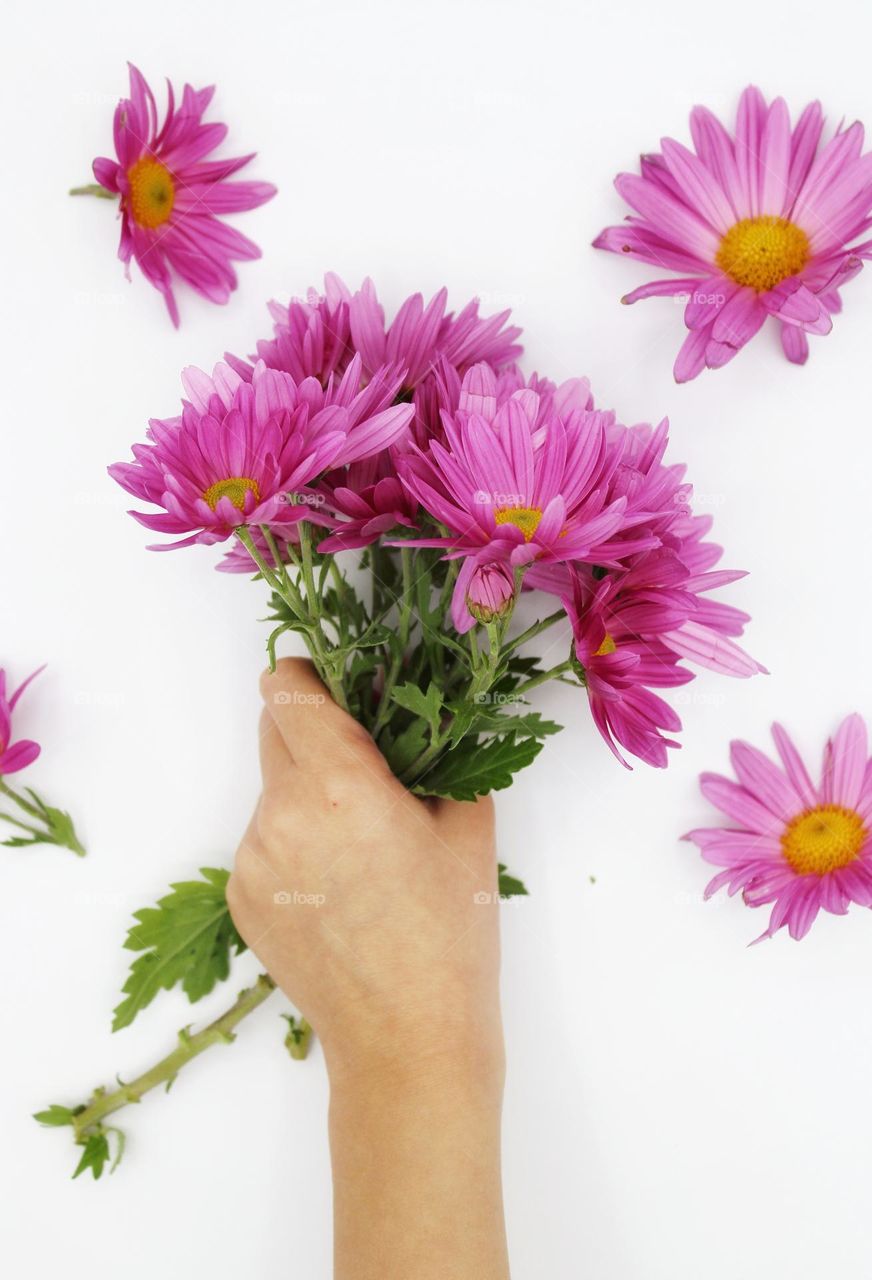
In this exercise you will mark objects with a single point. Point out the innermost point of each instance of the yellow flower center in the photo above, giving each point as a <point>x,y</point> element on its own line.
<point>823,839</point>
<point>235,488</point>
<point>608,646</point>
<point>152,192</point>
<point>758,253</point>
<point>524,518</point>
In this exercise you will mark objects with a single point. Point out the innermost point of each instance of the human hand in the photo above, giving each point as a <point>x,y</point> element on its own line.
<point>375,911</point>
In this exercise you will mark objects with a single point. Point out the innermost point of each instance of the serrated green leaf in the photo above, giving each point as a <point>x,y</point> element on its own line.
<point>403,751</point>
<point>485,718</point>
<point>95,1155</point>
<point>472,770</point>
<point>510,886</point>
<point>186,940</point>
<point>426,705</point>
<point>55,1115</point>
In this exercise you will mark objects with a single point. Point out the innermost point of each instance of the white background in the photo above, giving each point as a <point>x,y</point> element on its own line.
<point>679,1106</point>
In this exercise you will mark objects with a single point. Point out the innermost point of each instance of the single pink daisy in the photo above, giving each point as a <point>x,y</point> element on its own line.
<point>171,195</point>
<point>758,225</point>
<point>508,486</point>
<point>632,627</point>
<point>800,846</point>
<point>244,453</point>
<point>14,755</point>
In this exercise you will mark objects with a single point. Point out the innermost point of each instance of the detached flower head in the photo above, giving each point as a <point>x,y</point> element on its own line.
<point>14,755</point>
<point>171,195</point>
<point>800,846</point>
<point>757,225</point>
<point>243,453</point>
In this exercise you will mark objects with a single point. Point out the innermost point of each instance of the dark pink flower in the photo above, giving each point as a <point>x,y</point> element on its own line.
<point>171,195</point>
<point>14,755</point>
<point>632,627</point>
<point>801,846</point>
<point>420,336</point>
<point>761,224</point>
<point>365,501</point>
<point>245,453</point>
<point>508,484</point>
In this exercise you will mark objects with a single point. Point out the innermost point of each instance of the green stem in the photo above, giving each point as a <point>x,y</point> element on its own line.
<point>314,636</point>
<point>403,631</point>
<point>55,826</point>
<point>536,629</point>
<point>23,826</point>
<point>6,790</point>
<point>93,189</point>
<point>552,674</point>
<point>330,665</point>
<point>220,1031</point>
<point>484,674</point>
<point>299,1036</point>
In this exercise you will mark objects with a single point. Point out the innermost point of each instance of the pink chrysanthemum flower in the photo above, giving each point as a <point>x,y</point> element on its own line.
<point>800,846</point>
<point>508,486</point>
<point>365,500</point>
<point>631,628</point>
<point>244,453</point>
<point>758,225</point>
<point>171,195</point>
<point>14,755</point>
<point>312,336</point>
<point>318,338</point>
<point>420,336</point>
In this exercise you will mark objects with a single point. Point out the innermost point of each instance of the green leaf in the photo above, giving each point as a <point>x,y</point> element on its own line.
<point>484,718</point>
<point>56,1115</point>
<point>95,1155</point>
<point>510,886</point>
<point>426,705</point>
<point>472,770</point>
<point>403,751</point>
<point>187,940</point>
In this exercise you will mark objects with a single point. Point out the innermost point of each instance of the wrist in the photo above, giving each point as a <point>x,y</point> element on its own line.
<point>394,1056</point>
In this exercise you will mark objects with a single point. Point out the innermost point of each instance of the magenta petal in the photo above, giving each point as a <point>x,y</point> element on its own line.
<point>18,756</point>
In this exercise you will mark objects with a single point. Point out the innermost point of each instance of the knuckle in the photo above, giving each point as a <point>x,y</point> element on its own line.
<point>274,821</point>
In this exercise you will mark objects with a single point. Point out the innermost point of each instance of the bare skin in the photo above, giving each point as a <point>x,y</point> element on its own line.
<point>365,905</point>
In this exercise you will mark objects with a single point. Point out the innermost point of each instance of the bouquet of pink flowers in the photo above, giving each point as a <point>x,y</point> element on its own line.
<point>486,507</point>
<point>466,486</point>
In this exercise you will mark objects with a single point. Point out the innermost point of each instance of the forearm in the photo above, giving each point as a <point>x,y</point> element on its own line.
<point>416,1173</point>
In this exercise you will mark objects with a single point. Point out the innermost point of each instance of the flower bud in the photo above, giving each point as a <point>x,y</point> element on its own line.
<point>491,592</point>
